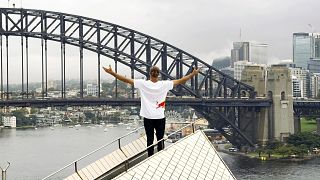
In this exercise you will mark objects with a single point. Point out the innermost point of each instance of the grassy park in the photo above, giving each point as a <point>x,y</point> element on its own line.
<point>308,125</point>
<point>299,145</point>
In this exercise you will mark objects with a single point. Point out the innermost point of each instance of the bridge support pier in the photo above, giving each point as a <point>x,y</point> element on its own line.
<point>247,122</point>
<point>262,129</point>
<point>297,124</point>
<point>318,125</point>
<point>256,124</point>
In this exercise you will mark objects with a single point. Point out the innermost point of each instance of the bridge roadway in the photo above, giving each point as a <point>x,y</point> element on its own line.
<point>224,102</point>
<point>309,108</point>
<point>301,107</point>
<point>306,103</point>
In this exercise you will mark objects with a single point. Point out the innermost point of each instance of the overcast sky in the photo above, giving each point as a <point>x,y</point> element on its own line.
<point>204,28</point>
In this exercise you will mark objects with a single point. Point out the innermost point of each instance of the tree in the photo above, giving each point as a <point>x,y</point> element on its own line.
<point>260,150</point>
<point>33,110</point>
<point>89,115</point>
<point>19,114</point>
<point>269,152</point>
<point>274,144</point>
<point>22,120</point>
<point>302,149</point>
<point>308,139</point>
<point>283,150</point>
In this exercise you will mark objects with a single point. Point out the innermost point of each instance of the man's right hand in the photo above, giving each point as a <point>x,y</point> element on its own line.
<point>186,78</point>
<point>108,70</point>
<point>196,71</point>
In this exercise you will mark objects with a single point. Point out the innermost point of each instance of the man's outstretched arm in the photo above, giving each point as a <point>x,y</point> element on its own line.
<point>118,76</point>
<point>184,79</point>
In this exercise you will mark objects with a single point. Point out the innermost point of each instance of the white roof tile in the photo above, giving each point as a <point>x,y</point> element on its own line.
<point>193,157</point>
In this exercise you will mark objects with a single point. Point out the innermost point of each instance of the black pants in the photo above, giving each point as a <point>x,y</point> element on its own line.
<point>159,126</point>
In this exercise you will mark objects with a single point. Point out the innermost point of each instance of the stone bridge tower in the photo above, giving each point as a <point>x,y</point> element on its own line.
<point>275,122</point>
<point>279,84</point>
<point>256,76</point>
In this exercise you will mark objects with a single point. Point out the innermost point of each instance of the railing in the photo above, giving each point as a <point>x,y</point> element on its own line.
<point>127,162</point>
<point>76,162</point>
<point>133,160</point>
<point>4,171</point>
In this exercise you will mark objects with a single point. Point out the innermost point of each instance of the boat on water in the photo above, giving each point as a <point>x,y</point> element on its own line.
<point>109,125</point>
<point>77,126</point>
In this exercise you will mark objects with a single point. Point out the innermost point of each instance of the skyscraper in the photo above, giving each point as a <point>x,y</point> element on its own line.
<point>302,76</point>
<point>306,51</point>
<point>249,51</point>
<point>296,86</point>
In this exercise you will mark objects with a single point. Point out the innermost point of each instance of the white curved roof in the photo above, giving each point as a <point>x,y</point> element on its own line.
<point>193,157</point>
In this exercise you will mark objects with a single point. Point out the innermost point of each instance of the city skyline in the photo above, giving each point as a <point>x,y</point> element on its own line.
<point>208,35</point>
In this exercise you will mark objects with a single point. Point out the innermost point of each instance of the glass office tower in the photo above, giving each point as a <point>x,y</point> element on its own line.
<point>306,51</point>
<point>249,51</point>
<point>302,45</point>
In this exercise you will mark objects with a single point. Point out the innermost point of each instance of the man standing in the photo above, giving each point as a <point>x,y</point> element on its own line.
<point>153,94</point>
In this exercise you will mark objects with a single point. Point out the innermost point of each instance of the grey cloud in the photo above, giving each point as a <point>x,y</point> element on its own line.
<point>204,28</point>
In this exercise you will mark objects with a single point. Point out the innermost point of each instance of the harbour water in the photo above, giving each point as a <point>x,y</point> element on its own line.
<point>246,168</point>
<point>35,153</point>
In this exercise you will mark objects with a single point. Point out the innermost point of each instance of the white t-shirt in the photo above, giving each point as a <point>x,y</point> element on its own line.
<point>153,96</point>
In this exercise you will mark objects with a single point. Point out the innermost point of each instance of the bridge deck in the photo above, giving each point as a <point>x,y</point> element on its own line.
<point>219,102</point>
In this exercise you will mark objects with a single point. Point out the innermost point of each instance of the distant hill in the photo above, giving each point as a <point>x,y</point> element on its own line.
<point>222,62</point>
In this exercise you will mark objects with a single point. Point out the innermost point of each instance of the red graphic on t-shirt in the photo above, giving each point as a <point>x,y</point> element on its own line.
<point>161,105</point>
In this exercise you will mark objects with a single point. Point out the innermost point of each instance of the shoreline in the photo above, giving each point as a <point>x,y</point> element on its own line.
<point>24,127</point>
<point>272,158</point>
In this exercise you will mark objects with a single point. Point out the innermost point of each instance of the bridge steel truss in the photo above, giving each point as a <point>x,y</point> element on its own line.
<point>306,108</point>
<point>128,47</point>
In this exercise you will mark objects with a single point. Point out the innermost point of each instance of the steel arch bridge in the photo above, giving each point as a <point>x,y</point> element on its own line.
<point>125,46</point>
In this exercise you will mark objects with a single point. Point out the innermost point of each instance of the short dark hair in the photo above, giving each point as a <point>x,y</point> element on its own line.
<point>154,71</point>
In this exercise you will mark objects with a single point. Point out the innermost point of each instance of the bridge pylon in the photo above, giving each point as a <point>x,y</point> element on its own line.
<point>276,122</point>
